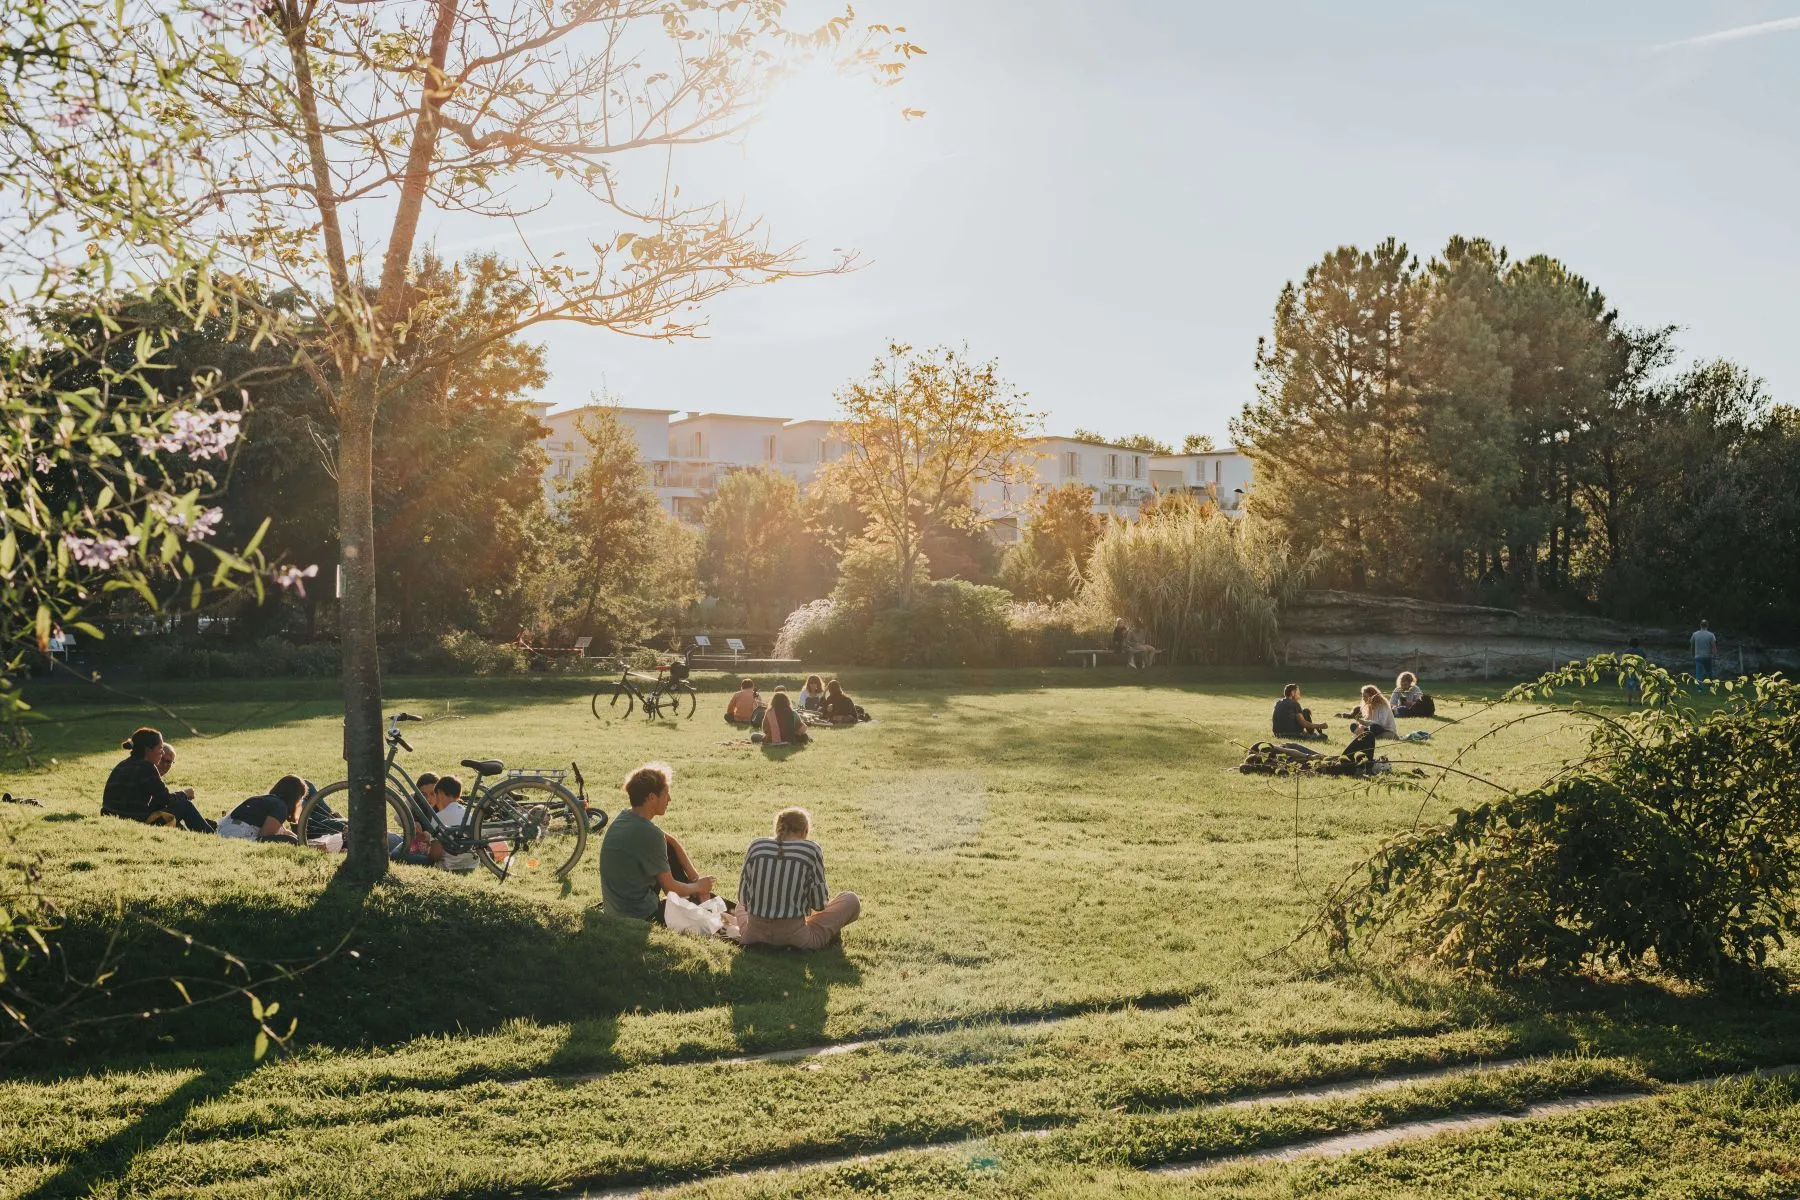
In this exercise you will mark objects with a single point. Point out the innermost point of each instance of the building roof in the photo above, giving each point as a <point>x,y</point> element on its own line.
<point>624,408</point>
<point>706,416</point>
<point>1225,452</point>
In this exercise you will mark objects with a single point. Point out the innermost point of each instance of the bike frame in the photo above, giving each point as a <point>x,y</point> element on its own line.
<point>459,839</point>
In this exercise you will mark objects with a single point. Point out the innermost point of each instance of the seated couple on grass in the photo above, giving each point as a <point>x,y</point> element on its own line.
<point>775,723</point>
<point>135,790</point>
<point>782,897</point>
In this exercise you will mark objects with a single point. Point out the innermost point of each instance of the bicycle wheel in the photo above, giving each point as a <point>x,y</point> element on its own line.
<point>530,826</point>
<point>611,695</point>
<point>399,813</point>
<point>693,699</point>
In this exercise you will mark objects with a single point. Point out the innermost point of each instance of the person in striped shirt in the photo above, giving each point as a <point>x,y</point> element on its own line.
<point>782,897</point>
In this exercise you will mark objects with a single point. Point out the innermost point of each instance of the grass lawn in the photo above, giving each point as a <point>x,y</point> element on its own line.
<point>1064,844</point>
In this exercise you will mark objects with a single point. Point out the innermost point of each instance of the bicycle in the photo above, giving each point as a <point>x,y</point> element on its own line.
<point>528,821</point>
<point>666,690</point>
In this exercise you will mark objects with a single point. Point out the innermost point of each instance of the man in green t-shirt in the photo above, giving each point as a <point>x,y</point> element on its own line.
<point>639,863</point>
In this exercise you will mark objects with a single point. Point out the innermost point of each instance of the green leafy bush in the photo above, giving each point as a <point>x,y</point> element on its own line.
<point>1674,844</point>
<point>460,653</point>
<point>270,658</point>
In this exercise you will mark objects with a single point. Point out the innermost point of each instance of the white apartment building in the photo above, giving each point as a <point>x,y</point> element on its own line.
<point>1222,476</point>
<point>686,458</point>
<point>1120,477</point>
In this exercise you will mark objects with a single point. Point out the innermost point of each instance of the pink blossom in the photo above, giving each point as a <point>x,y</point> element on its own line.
<point>44,464</point>
<point>201,434</point>
<point>98,553</point>
<point>199,529</point>
<point>293,577</point>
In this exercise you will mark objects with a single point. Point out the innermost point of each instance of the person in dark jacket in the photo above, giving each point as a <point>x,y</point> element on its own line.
<point>838,708</point>
<point>135,790</point>
<point>270,818</point>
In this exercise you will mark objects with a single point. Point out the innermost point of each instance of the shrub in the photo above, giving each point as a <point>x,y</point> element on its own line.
<point>1043,634</point>
<point>1203,586</point>
<point>461,653</point>
<point>1675,843</point>
<point>270,658</point>
<point>950,623</point>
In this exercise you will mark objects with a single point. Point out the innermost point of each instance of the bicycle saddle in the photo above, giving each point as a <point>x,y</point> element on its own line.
<point>484,766</point>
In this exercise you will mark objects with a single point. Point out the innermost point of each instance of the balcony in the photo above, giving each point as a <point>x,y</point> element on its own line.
<point>701,476</point>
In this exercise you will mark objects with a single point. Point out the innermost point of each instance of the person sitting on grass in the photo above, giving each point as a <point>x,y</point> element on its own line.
<point>745,706</point>
<point>812,694</point>
<point>1372,719</point>
<point>446,796</point>
<point>135,790</point>
<point>782,897</point>
<point>782,726</point>
<point>1409,700</point>
<point>838,708</point>
<point>639,863</point>
<point>269,818</point>
<point>1290,720</point>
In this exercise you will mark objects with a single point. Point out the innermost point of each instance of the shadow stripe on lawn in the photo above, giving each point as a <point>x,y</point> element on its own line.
<point>1348,1090</point>
<point>1335,1144</point>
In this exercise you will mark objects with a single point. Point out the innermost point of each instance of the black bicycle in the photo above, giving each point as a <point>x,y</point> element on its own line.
<point>664,691</point>
<point>527,822</point>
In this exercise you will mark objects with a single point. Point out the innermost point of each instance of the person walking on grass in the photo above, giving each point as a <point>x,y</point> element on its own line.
<point>782,897</point>
<point>639,863</point>
<point>1706,645</point>
<point>135,790</point>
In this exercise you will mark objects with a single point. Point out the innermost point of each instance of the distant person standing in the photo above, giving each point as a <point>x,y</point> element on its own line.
<point>1706,644</point>
<point>1634,686</point>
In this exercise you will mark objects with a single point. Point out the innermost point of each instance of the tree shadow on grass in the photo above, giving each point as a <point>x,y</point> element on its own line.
<point>109,1160</point>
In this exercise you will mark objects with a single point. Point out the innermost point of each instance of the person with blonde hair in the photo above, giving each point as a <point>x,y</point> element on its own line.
<point>1372,719</point>
<point>782,897</point>
<point>1407,693</point>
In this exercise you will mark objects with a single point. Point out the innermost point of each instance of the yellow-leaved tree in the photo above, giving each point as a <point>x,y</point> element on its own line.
<point>921,432</point>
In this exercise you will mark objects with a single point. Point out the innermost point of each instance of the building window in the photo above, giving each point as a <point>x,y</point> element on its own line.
<point>1218,470</point>
<point>1112,466</point>
<point>769,448</point>
<point>1137,466</point>
<point>1071,464</point>
<point>823,450</point>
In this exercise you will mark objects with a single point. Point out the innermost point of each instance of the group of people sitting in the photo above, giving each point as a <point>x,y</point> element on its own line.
<point>138,790</point>
<point>783,721</point>
<point>1129,644</point>
<point>1374,718</point>
<point>782,896</point>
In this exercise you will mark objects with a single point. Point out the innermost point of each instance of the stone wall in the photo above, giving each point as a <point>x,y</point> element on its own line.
<point>1379,636</point>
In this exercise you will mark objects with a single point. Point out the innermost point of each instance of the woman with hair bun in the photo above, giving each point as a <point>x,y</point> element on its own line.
<point>135,790</point>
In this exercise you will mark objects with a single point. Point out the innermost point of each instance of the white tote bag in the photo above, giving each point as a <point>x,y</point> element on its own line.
<point>684,916</point>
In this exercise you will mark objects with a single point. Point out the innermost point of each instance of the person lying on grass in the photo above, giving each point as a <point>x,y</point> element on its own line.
<point>135,790</point>
<point>639,863</point>
<point>745,706</point>
<point>782,726</point>
<point>782,897</point>
<point>1290,720</point>
<point>271,817</point>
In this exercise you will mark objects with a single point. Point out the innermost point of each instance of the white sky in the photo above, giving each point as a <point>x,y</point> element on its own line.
<point>1107,195</point>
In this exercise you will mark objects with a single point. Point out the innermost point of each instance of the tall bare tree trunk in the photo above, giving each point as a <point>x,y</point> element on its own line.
<point>367,843</point>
